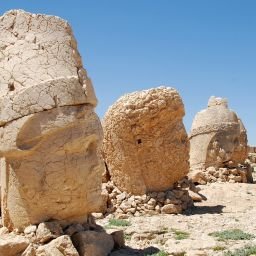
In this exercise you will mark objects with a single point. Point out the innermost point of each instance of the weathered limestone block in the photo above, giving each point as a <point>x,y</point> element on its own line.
<point>52,170</point>
<point>40,66</point>
<point>49,134</point>
<point>218,138</point>
<point>145,143</point>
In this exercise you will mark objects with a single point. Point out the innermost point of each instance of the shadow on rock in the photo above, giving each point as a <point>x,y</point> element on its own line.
<point>138,252</point>
<point>217,209</point>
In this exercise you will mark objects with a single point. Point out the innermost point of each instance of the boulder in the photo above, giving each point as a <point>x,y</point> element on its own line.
<point>145,143</point>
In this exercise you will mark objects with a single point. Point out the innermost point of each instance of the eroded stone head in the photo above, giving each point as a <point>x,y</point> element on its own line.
<point>218,137</point>
<point>50,165</point>
<point>145,143</point>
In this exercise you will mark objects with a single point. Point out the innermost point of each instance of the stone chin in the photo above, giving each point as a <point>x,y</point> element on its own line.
<point>55,171</point>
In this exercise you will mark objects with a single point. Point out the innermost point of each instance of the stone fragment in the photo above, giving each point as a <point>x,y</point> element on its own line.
<point>195,196</point>
<point>47,231</point>
<point>171,209</point>
<point>30,229</point>
<point>91,243</point>
<point>4,231</point>
<point>12,245</point>
<point>30,251</point>
<point>145,143</point>
<point>61,246</point>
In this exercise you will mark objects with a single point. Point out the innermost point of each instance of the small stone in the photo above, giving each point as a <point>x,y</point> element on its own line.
<point>195,197</point>
<point>152,202</point>
<point>121,197</point>
<point>171,209</point>
<point>4,231</point>
<point>30,229</point>
<point>47,231</point>
<point>98,215</point>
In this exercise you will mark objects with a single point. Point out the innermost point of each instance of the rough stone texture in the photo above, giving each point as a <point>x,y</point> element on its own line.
<point>47,231</point>
<point>40,66</point>
<point>218,138</point>
<point>91,243</point>
<point>12,245</point>
<point>145,144</point>
<point>50,165</point>
<point>122,205</point>
<point>59,246</point>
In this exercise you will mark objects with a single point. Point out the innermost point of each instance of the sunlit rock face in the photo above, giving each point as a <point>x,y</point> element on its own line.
<point>218,138</point>
<point>50,134</point>
<point>145,143</point>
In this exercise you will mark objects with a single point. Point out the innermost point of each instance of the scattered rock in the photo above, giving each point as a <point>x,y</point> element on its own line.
<point>91,243</point>
<point>30,229</point>
<point>47,231</point>
<point>12,245</point>
<point>171,209</point>
<point>59,246</point>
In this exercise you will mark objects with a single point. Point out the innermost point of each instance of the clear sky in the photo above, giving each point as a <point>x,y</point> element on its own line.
<point>200,47</point>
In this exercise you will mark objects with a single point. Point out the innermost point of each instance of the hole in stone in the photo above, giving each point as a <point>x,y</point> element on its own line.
<point>11,86</point>
<point>139,141</point>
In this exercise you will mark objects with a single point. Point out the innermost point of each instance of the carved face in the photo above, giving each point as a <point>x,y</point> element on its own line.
<point>55,170</point>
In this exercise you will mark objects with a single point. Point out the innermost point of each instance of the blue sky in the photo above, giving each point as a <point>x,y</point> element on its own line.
<point>200,47</point>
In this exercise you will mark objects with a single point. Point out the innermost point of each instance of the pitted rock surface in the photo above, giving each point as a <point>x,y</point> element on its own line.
<point>145,143</point>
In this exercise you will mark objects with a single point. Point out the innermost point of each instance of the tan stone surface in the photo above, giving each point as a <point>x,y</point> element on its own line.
<point>40,65</point>
<point>145,143</point>
<point>218,138</point>
<point>53,168</point>
<point>50,166</point>
<point>12,245</point>
<point>61,246</point>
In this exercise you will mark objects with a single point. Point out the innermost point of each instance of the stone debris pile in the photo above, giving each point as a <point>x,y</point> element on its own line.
<point>55,238</point>
<point>122,205</point>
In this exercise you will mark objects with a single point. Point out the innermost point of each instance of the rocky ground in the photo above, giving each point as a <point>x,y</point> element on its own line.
<point>228,206</point>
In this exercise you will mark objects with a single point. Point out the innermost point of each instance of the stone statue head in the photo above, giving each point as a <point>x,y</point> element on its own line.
<point>216,136</point>
<point>49,135</point>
